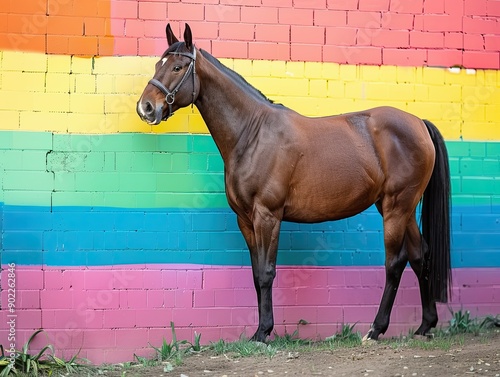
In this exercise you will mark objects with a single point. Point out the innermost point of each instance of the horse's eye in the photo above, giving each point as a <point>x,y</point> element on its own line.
<point>177,68</point>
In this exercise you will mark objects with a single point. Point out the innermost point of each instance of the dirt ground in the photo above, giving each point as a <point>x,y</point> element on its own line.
<point>474,356</point>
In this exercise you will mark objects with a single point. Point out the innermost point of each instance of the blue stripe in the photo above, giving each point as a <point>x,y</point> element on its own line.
<point>90,236</point>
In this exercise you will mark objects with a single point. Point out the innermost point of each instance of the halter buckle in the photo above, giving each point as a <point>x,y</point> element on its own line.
<point>170,98</point>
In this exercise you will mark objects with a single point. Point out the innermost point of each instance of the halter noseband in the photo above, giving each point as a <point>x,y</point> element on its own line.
<point>170,95</point>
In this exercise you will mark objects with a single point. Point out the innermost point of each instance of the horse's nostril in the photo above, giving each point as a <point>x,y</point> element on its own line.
<point>149,108</point>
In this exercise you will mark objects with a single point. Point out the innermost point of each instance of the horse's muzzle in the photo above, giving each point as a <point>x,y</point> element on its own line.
<point>150,113</point>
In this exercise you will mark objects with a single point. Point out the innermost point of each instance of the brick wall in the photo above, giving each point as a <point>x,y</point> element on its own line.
<point>118,228</point>
<point>108,315</point>
<point>390,32</point>
<point>62,93</point>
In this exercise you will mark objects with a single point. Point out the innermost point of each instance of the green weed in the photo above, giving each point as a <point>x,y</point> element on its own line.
<point>347,337</point>
<point>462,323</point>
<point>171,353</point>
<point>289,341</point>
<point>196,347</point>
<point>44,362</point>
<point>242,348</point>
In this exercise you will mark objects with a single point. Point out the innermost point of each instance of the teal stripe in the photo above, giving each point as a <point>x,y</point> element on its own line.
<point>94,236</point>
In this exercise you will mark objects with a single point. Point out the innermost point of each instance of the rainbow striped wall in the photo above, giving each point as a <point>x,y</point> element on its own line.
<point>117,228</point>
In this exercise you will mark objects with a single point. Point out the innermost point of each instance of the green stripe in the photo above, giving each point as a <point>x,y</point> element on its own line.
<point>170,170</point>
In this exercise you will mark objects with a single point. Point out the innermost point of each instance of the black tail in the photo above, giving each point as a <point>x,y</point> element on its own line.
<point>436,219</point>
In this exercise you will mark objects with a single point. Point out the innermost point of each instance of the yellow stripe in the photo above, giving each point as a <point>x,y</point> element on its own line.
<point>98,95</point>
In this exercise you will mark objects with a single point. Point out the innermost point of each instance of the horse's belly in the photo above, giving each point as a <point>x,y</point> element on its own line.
<point>324,205</point>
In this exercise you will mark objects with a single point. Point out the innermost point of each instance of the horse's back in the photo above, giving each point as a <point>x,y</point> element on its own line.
<point>379,120</point>
<point>349,161</point>
<point>379,133</point>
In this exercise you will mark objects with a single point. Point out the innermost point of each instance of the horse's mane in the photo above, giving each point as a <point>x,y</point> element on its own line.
<point>235,76</point>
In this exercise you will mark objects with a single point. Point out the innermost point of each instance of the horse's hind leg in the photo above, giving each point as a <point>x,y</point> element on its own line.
<point>395,261</point>
<point>417,254</point>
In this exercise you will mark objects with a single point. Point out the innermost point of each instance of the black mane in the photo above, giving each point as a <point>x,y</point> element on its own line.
<point>236,77</point>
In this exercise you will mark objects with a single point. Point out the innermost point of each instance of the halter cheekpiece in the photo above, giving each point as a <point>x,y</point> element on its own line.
<point>170,95</point>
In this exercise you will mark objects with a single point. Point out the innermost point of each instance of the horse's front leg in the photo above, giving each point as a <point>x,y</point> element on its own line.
<point>262,239</point>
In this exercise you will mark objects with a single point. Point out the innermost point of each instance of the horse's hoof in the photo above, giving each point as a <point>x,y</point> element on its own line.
<point>258,339</point>
<point>367,341</point>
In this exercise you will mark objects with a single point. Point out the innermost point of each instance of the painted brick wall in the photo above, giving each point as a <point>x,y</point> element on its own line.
<point>57,26</point>
<point>118,228</point>
<point>109,314</point>
<point>105,262</point>
<point>391,32</point>
<point>147,198</point>
<point>62,93</point>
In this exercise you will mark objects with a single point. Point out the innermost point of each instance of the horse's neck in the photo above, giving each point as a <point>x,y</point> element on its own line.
<point>228,111</point>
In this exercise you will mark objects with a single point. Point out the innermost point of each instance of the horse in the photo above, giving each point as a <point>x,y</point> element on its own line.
<point>282,166</point>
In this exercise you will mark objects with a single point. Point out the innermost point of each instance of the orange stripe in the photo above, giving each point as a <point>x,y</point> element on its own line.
<point>71,27</point>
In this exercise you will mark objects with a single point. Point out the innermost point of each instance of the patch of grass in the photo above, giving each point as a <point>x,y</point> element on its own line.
<point>144,361</point>
<point>460,325</point>
<point>289,342</point>
<point>169,354</point>
<point>196,346</point>
<point>242,348</point>
<point>347,337</point>
<point>44,362</point>
<point>436,342</point>
<point>461,322</point>
<point>170,351</point>
<point>444,343</point>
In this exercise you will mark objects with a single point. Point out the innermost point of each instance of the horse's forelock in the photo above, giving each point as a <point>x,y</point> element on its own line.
<point>176,47</point>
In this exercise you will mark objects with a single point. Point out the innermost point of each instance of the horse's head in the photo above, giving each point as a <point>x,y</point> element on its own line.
<point>174,84</point>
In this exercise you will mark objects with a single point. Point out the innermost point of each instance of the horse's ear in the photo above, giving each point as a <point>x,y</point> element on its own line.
<point>171,38</point>
<point>188,37</point>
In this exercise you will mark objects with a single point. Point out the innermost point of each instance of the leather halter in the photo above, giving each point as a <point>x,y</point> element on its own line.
<point>170,95</point>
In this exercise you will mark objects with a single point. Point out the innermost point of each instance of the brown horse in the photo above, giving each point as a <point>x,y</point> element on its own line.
<point>282,166</point>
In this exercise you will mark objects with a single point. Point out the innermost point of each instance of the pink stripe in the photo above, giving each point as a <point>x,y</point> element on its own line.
<point>112,313</point>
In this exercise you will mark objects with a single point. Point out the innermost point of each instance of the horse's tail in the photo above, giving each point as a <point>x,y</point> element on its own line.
<point>436,220</point>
